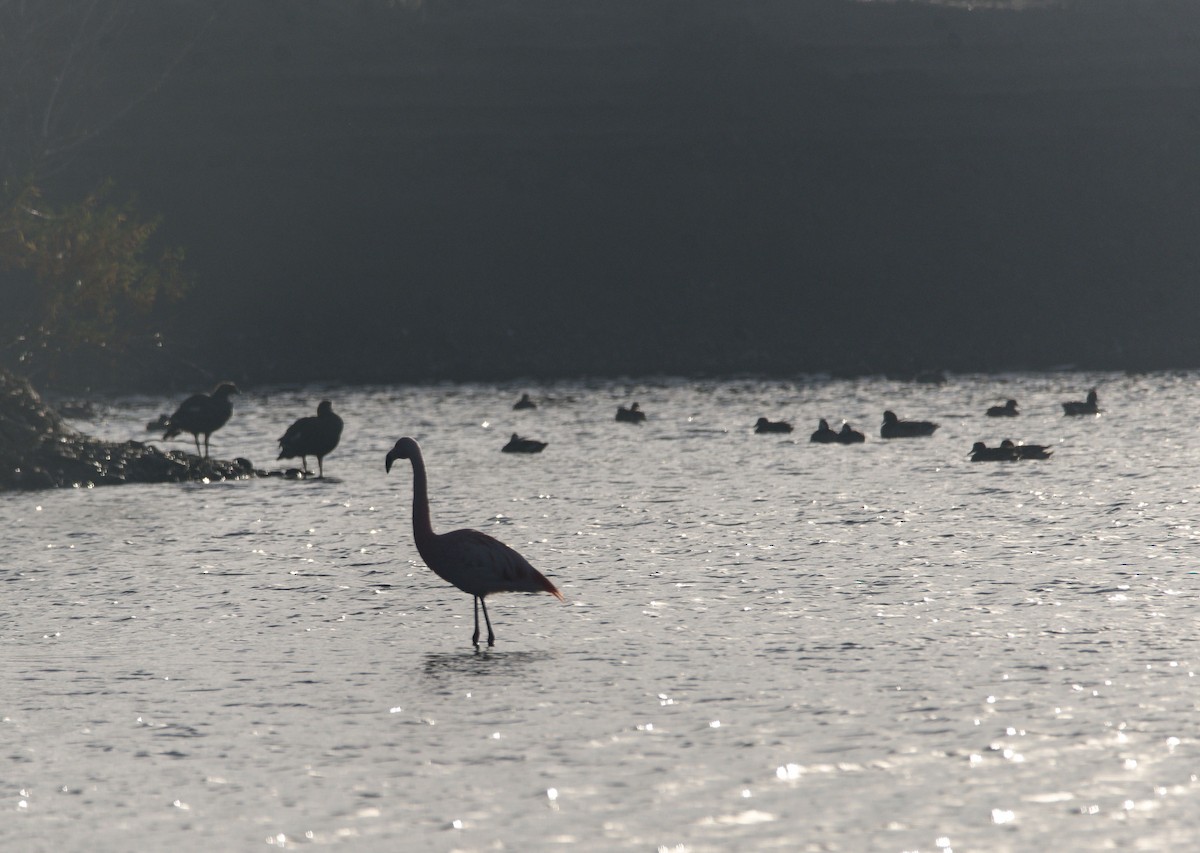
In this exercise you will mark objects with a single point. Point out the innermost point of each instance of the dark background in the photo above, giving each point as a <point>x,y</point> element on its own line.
<point>487,189</point>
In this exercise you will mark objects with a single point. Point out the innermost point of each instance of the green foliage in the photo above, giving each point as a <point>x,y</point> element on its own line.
<point>86,273</point>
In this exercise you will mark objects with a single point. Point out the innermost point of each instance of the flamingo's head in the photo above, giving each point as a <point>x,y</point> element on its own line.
<point>406,448</point>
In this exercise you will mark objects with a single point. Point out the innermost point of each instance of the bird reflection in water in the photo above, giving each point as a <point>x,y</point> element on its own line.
<point>481,662</point>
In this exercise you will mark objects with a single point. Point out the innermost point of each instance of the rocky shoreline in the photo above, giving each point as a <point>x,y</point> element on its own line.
<point>39,451</point>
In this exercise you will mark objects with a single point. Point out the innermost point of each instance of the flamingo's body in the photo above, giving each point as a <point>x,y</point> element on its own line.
<point>201,414</point>
<point>474,562</point>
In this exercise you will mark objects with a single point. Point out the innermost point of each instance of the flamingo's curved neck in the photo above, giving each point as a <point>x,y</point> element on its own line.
<point>422,526</point>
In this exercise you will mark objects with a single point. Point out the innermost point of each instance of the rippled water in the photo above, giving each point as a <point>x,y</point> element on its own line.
<point>767,644</point>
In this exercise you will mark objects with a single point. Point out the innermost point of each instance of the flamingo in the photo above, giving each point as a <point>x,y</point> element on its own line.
<point>472,561</point>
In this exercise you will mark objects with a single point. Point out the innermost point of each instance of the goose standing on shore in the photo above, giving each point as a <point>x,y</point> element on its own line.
<point>202,414</point>
<point>472,561</point>
<point>312,436</point>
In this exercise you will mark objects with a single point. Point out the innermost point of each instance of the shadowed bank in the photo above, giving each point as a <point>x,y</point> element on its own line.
<point>535,188</point>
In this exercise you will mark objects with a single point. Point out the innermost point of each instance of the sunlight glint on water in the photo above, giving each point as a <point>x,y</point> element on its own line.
<point>767,644</point>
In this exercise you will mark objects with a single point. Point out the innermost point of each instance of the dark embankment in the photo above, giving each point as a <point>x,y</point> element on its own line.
<point>463,189</point>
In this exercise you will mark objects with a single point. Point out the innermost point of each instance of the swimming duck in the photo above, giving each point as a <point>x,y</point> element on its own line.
<point>980,452</point>
<point>1008,410</point>
<point>1027,451</point>
<point>516,444</point>
<point>848,435</point>
<point>764,425</point>
<point>824,435</point>
<point>893,427</point>
<point>632,415</point>
<point>1091,407</point>
<point>524,403</point>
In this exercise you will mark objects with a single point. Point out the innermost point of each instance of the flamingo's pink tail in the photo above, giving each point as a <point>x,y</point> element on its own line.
<point>550,587</point>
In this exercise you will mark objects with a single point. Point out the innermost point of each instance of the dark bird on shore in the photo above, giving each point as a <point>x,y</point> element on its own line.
<point>632,415</point>
<point>472,561</point>
<point>893,427</point>
<point>312,436</point>
<point>516,444</point>
<point>202,414</point>
<point>1090,407</point>
<point>824,434</point>
<point>764,425</point>
<point>524,403</point>
<point>980,452</point>
<point>1008,410</point>
<point>1027,451</point>
<point>849,435</point>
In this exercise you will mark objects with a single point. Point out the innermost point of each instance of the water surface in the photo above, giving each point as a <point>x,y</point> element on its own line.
<point>767,644</point>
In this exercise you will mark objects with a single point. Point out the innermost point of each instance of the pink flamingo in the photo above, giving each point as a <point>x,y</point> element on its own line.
<point>472,561</point>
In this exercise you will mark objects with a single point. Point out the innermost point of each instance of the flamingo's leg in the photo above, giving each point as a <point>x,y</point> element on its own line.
<point>486,618</point>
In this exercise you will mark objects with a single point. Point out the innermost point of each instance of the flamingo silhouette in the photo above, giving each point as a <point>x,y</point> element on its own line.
<point>472,561</point>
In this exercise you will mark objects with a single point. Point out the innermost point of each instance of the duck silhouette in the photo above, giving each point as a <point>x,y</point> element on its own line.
<point>824,435</point>
<point>764,425</point>
<point>632,415</point>
<point>516,444</point>
<point>1027,451</point>
<point>980,452</point>
<point>849,435</point>
<point>1089,407</point>
<point>1008,410</point>
<point>893,427</point>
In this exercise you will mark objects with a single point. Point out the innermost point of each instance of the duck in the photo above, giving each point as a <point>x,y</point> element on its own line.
<point>764,425</point>
<point>893,427</point>
<point>516,444</point>
<point>823,435</point>
<point>1008,410</point>
<point>849,435</point>
<point>632,415</point>
<point>1090,407</point>
<point>524,403</point>
<point>980,452</point>
<point>202,414</point>
<point>312,436</point>
<point>1027,451</point>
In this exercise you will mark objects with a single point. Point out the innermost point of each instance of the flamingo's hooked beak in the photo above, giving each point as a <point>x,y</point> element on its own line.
<point>387,465</point>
